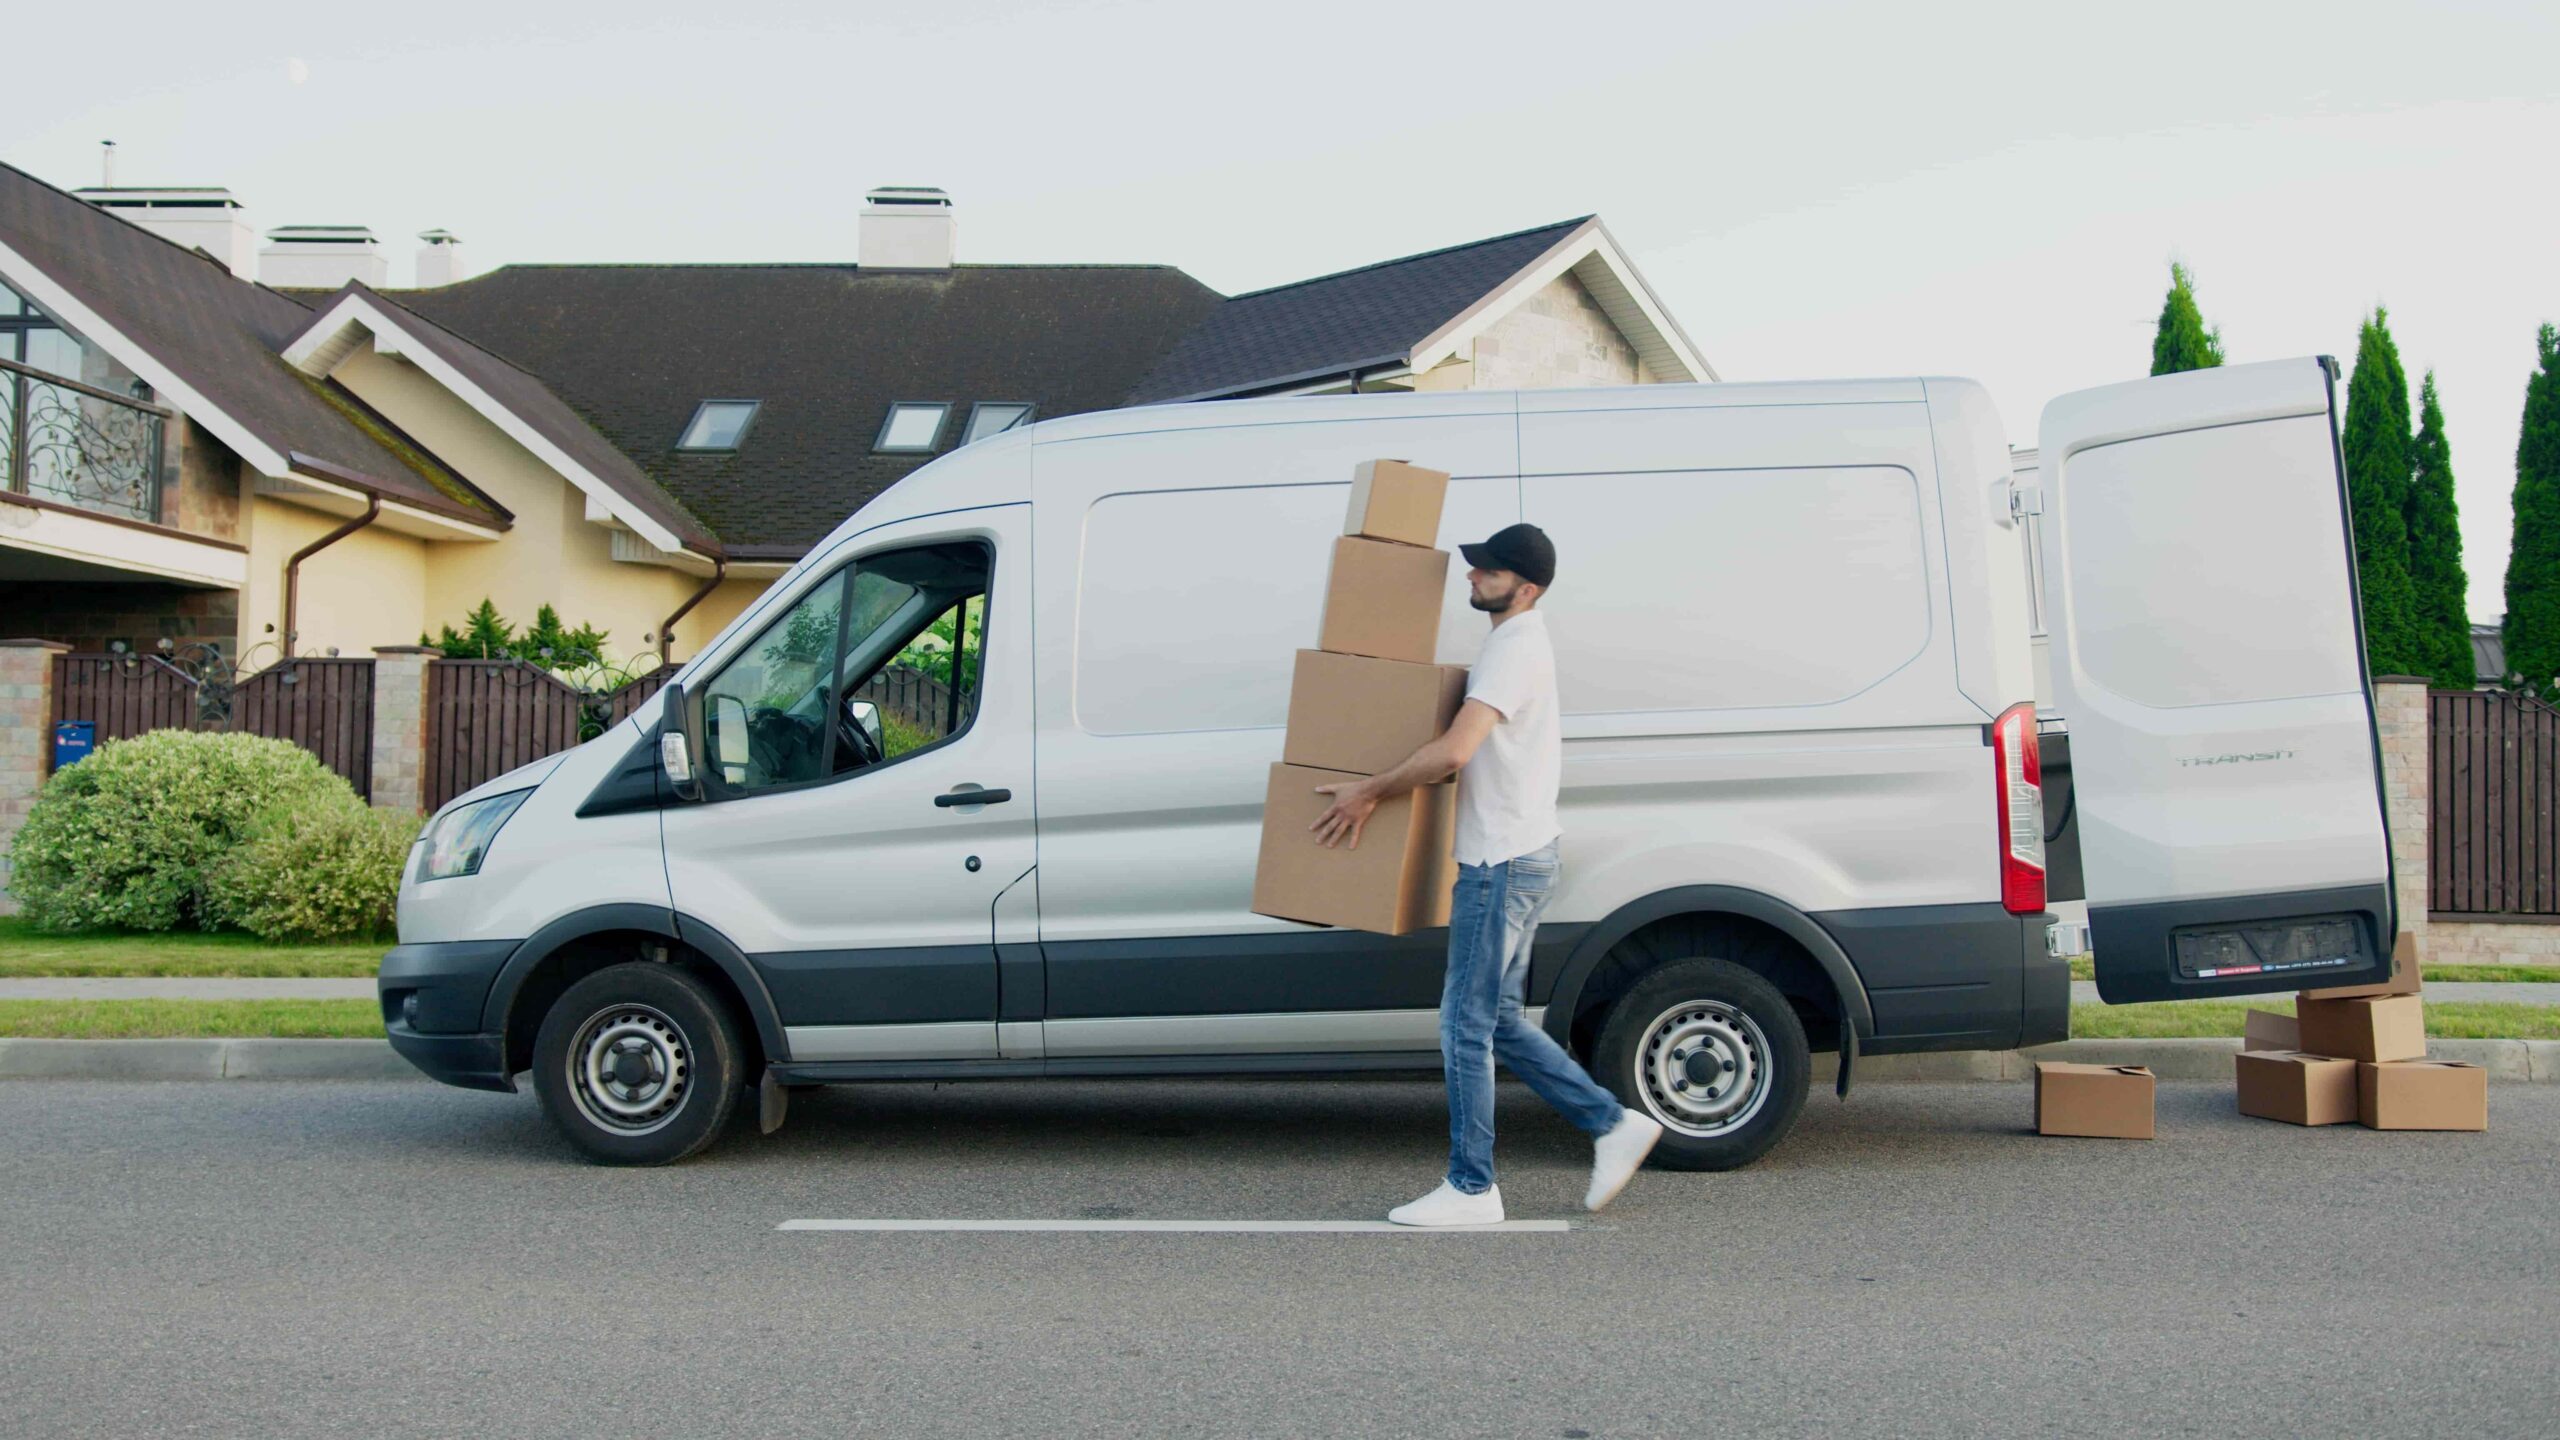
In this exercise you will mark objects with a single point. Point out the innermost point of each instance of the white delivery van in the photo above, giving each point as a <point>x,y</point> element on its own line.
<point>1803,796</point>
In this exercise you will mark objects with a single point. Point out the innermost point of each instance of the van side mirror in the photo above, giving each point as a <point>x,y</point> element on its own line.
<point>677,743</point>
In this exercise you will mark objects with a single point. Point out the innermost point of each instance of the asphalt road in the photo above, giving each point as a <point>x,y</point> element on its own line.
<point>394,1259</point>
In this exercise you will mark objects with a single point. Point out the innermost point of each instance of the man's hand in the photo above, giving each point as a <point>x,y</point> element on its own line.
<point>1354,801</point>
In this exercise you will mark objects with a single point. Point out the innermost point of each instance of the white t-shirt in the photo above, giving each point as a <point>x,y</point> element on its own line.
<point>1507,792</point>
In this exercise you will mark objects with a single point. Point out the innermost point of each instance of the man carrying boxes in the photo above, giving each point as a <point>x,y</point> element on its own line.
<point>1505,744</point>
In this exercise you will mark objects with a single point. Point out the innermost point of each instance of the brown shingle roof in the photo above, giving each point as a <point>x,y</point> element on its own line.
<point>221,335</point>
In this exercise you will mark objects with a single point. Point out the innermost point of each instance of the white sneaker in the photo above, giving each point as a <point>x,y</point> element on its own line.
<point>1450,1205</point>
<point>1616,1156</point>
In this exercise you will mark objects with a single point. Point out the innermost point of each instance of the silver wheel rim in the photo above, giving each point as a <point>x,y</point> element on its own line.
<point>630,1069</point>
<point>1702,1067</point>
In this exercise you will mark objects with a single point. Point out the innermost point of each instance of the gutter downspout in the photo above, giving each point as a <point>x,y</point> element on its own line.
<point>667,627</point>
<point>293,567</point>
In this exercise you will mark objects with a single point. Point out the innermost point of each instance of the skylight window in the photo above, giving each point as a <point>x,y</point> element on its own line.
<point>718,424</point>
<point>914,427</point>
<point>994,417</point>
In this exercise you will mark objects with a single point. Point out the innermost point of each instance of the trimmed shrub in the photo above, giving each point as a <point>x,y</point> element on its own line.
<point>125,838</point>
<point>330,872</point>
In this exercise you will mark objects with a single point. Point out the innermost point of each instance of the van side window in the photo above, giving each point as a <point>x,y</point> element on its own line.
<point>880,660</point>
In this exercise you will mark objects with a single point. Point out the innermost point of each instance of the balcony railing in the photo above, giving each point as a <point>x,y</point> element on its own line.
<point>80,446</point>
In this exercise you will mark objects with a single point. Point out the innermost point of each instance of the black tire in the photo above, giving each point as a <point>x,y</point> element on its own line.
<point>668,1061</point>
<point>1732,1027</point>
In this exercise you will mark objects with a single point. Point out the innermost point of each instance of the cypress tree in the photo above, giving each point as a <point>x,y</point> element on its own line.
<point>2533,564</point>
<point>2435,551</point>
<point>2182,341</point>
<point>2376,441</point>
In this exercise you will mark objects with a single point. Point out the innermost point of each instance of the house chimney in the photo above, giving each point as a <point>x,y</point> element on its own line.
<point>200,217</point>
<point>107,165</point>
<point>906,227</point>
<point>321,257</point>
<point>439,258</point>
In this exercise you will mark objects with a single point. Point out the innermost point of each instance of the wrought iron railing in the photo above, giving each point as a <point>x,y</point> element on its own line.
<point>81,446</point>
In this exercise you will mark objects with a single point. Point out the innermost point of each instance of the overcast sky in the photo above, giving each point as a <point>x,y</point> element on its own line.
<point>1813,189</point>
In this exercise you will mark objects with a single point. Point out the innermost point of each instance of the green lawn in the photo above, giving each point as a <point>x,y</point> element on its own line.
<point>147,1019</point>
<point>2082,968</point>
<point>28,952</point>
<point>2461,1020</point>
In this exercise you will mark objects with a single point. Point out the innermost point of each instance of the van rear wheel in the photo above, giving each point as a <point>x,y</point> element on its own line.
<point>1713,1052</point>
<point>638,1064</point>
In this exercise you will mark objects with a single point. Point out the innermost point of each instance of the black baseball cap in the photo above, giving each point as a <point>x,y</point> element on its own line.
<point>1524,550</point>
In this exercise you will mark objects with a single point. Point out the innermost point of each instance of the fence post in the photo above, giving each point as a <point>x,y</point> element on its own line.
<point>400,726</point>
<point>2400,713</point>
<point>26,734</point>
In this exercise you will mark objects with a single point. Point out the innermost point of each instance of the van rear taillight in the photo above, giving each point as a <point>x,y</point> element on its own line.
<point>2020,776</point>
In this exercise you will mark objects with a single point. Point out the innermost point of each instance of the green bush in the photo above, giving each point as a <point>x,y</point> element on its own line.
<point>125,839</point>
<point>329,872</point>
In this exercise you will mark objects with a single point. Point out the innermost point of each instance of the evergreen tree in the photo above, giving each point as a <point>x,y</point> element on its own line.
<point>2183,342</point>
<point>485,635</point>
<point>2533,564</point>
<point>2435,551</point>
<point>2376,441</point>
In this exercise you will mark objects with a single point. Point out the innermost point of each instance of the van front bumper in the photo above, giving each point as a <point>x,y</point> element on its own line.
<point>432,999</point>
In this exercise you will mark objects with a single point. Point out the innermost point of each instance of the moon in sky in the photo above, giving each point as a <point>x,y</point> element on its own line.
<point>296,71</point>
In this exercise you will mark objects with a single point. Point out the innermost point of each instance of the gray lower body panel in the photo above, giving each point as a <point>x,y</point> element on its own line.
<point>1952,977</point>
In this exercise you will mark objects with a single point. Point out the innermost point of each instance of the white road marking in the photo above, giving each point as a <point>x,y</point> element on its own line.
<point>1192,1227</point>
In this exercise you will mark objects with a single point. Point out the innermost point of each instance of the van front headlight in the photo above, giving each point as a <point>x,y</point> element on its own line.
<point>461,836</point>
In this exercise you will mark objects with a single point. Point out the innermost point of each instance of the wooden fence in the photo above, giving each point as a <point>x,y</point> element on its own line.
<point>323,705</point>
<point>2493,769</point>
<point>486,717</point>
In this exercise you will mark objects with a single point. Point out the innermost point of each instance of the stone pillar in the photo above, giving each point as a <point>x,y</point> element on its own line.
<point>2400,710</point>
<point>400,726</point>
<point>26,739</point>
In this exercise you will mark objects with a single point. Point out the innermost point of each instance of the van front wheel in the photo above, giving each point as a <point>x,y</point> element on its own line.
<point>638,1064</point>
<point>1712,1051</point>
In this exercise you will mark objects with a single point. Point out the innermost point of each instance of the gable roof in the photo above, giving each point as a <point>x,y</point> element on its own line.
<point>633,349</point>
<point>208,342</point>
<point>514,401</point>
<point>1412,311</point>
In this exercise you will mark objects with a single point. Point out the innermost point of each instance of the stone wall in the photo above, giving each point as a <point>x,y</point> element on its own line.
<point>26,733</point>
<point>2492,942</point>
<point>203,497</point>
<point>1558,337</point>
<point>2400,712</point>
<point>89,615</point>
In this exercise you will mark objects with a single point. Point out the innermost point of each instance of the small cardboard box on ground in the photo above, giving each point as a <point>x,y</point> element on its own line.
<point>2295,1087</point>
<point>2403,981</point>
<point>2106,1101</point>
<point>1395,501</point>
<point>1397,880</point>
<point>1349,712</point>
<point>2422,1095</point>
<point>1382,600</point>
<point>2386,1027</point>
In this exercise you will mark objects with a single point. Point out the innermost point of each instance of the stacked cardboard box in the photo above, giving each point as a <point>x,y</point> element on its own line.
<point>1364,699</point>
<point>2358,1052</point>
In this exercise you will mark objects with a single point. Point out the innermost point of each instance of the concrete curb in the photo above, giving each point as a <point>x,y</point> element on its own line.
<point>2513,1061</point>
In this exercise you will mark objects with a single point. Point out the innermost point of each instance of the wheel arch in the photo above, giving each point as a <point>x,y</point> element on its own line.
<point>567,948</point>
<point>1575,994</point>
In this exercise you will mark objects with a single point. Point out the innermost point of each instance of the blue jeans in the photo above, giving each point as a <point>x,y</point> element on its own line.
<point>1492,918</point>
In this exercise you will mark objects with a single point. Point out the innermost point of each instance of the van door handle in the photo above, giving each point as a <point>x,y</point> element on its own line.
<point>972,796</point>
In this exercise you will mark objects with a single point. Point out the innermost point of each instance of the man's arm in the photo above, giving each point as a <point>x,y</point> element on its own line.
<point>1354,801</point>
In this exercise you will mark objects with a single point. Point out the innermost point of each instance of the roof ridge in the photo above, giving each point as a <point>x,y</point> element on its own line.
<point>1418,255</point>
<point>800,265</point>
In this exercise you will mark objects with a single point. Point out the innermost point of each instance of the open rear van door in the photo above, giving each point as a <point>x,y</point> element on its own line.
<point>2208,657</point>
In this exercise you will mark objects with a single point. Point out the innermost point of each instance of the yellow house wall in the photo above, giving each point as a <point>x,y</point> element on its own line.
<point>368,589</point>
<point>552,555</point>
<point>714,613</point>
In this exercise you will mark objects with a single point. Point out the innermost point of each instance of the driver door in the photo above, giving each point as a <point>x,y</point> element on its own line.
<point>838,843</point>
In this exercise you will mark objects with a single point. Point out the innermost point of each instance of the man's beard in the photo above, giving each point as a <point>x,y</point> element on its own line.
<point>1493,604</point>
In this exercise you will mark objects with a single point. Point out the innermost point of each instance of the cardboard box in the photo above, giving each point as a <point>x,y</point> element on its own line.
<point>2388,1027</point>
<point>1398,879</point>
<point>2295,1087</point>
<point>1349,712</point>
<point>1391,500</point>
<point>2109,1101</point>
<point>2423,1095</point>
<point>1383,600</point>
<point>2267,1030</point>
<point>2403,981</point>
